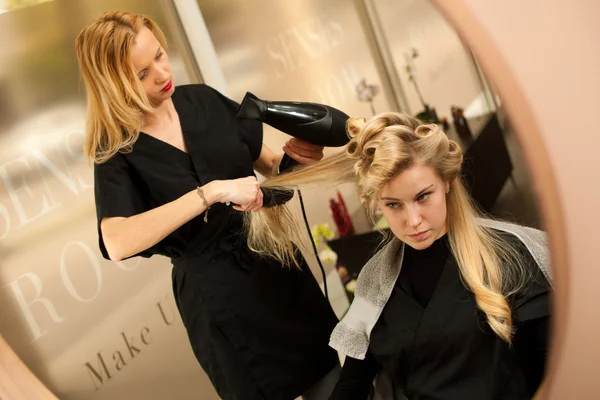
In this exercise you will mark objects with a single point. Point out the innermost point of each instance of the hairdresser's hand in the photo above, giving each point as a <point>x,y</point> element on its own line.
<point>243,194</point>
<point>302,151</point>
<point>255,205</point>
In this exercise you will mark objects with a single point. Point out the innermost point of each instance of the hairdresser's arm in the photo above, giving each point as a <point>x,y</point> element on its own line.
<point>305,153</point>
<point>124,237</point>
<point>268,162</point>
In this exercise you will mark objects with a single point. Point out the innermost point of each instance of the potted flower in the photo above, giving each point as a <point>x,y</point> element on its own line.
<point>321,233</point>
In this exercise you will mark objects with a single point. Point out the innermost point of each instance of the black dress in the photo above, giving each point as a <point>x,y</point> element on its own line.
<point>434,343</point>
<point>260,331</point>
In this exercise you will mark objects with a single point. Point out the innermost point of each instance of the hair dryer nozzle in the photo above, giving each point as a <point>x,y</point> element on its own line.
<point>252,108</point>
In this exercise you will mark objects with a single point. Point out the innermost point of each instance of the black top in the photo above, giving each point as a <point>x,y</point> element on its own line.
<point>219,147</point>
<point>435,344</point>
<point>260,331</point>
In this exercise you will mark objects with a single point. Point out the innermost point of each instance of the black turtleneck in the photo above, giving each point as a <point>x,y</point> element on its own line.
<point>421,269</point>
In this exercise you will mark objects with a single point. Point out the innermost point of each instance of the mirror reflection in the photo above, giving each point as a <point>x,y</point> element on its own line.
<point>344,213</point>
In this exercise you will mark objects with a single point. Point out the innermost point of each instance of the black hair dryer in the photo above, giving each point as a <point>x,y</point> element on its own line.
<point>315,123</point>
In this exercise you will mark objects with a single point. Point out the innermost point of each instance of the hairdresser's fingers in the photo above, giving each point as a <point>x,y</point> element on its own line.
<point>243,207</point>
<point>250,206</point>
<point>297,150</point>
<point>298,157</point>
<point>303,144</point>
<point>259,201</point>
<point>304,149</point>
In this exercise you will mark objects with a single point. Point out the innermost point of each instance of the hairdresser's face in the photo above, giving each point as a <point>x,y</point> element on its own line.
<point>152,66</point>
<point>414,204</point>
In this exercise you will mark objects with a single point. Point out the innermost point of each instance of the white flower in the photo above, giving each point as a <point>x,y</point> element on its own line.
<point>366,92</point>
<point>328,255</point>
<point>351,286</point>
<point>410,66</point>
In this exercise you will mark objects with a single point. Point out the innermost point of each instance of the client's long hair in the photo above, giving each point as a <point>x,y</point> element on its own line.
<point>380,149</point>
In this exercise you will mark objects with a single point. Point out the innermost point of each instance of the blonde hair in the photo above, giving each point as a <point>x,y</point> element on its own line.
<point>116,100</point>
<point>379,149</point>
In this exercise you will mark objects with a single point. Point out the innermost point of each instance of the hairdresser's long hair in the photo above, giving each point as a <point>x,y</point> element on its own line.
<point>116,100</point>
<point>378,151</point>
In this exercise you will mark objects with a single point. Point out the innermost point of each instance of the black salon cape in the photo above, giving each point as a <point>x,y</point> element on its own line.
<point>260,331</point>
<point>435,344</point>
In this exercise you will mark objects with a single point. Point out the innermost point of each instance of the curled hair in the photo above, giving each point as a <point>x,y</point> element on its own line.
<point>379,149</point>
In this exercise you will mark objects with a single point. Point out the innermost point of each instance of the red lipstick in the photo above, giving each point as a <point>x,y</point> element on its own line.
<point>167,87</point>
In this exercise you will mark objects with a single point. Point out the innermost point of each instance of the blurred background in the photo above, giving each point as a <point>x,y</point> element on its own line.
<point>72,316</point>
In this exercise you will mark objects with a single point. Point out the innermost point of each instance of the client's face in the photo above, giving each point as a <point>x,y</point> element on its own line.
<point>414,204</point>
<point>152,66</point>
